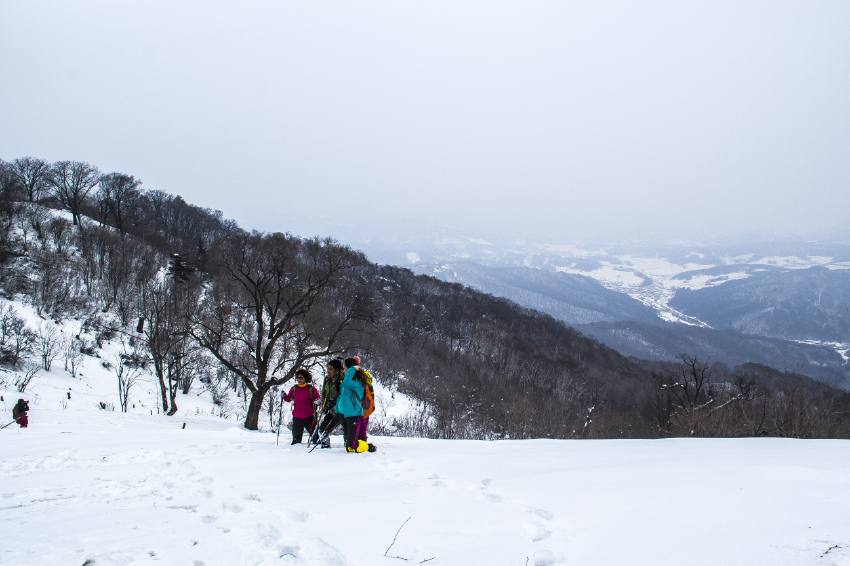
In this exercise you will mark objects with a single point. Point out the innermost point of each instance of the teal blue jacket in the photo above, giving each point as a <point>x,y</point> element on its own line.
<point>350,394</point>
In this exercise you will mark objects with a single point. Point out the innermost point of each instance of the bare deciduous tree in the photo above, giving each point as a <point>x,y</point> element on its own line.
<point>9,209</point>
<point>58,228</point>
<point>15,338</point>
<point>280,304</point>
<point>28,373</point>
<point>48,344</point>
<point>32,176</point>
<point>117,191</point>
<point>72,182</point>
<point>684,395</point>
<point>127,377</point>
<point>73,355</point>
<point>167,307</point>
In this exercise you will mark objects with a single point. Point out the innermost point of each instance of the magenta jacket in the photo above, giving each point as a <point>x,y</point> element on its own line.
<point>303,395</point>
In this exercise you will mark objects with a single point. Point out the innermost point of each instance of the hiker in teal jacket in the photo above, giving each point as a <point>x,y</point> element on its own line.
<point>348,404</point>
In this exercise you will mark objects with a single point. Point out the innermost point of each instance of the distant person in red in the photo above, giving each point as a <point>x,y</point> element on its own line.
<point>304,409</point>
<point>19,413</point>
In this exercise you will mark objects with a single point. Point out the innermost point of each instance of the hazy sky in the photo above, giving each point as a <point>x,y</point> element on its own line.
<point>567,119</point>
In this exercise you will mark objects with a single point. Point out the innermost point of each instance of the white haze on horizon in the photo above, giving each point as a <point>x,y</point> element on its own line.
<point>579,120</point>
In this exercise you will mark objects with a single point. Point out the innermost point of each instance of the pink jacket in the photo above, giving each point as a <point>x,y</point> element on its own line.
<point>304,399</point>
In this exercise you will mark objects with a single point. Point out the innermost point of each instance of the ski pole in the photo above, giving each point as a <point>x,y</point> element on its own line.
<point>314,430</point>
<point>325,433</point>
<point>5,425</point>
<point>279,421</point>
<point>319,437</point>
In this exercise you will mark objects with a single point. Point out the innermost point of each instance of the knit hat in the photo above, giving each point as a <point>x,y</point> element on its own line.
<point>357,359</point>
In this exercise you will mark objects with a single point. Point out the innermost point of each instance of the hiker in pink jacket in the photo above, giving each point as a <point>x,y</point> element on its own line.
<point>19,413</point>
<point>304,409</point>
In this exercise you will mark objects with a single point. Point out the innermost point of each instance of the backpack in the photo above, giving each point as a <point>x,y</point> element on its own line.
<point>368,401</point>
<point>20,409</point>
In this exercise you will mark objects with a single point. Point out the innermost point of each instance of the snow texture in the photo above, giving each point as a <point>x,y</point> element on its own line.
<point>85,486</point>
<point>110,488</point>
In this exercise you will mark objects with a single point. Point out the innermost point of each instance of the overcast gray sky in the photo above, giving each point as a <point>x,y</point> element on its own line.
<point>568,119</point>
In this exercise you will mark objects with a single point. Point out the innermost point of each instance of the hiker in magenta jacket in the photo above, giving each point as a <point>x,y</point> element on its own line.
<point>19,413</point>
<point>303,411</point>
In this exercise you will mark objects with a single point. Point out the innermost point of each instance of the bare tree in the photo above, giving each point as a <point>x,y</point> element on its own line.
<point>32,176</point>
<point>117,191</point>
<point>28,373</point>
<point>686,396</point>
<point>15,338</point>
<point>127,376</point>
<point>280,304</point>
<point>37,217</point>
<point>167,307</point>
<point>9,209</point>
<point>9,186</point>
<point>59,229</point>
<point>72,182</point>
<point>48,344</point>
<point>157,325</point>
<point>73,355</point>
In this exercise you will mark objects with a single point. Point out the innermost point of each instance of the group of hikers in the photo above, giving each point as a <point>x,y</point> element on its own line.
<point>347,400</point>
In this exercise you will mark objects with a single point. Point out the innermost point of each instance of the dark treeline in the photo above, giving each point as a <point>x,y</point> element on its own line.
<point>202,299</point>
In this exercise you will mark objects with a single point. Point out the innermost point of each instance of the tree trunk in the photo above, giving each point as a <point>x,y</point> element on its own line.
<point>252,419</point>
<point>163,390</point>
<point>172,392</point>
<point>160,374</point>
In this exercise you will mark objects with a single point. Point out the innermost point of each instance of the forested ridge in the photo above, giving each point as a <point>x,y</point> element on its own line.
<point>200,300</point>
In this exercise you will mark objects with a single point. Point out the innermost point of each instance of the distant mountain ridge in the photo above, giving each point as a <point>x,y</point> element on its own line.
<point>729,347</point>
<point>811,304</point>
<point>575,299</point>
<point>755,301</point>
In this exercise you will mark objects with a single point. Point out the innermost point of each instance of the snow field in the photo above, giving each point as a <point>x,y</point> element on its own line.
<point>108,488</point>
<point>86,486</point>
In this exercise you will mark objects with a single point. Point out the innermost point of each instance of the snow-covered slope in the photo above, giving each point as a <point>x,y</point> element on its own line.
<point>105,488</point>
